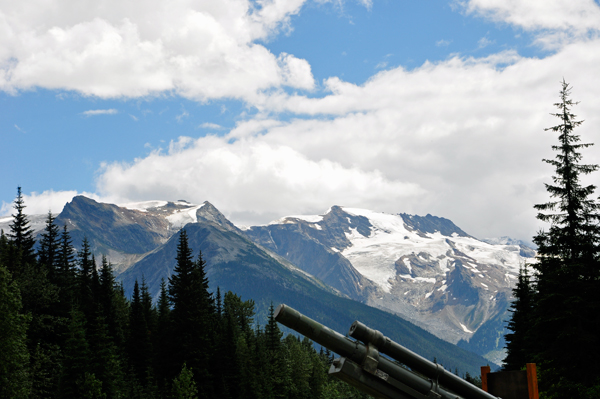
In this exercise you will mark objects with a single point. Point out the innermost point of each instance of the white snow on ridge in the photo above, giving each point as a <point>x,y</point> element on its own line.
<point>184,216</point>
<point>306,218</point>
<point>143,206</point>
<point>374,257</point>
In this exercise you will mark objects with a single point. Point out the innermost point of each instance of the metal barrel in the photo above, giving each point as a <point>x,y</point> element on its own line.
<point>416,362</point>
<point>354,350</point>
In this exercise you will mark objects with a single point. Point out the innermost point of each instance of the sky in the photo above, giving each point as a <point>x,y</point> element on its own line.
<point>268,108</point>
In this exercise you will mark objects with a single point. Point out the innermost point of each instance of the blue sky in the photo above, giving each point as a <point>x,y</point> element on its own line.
<point>286,107</point>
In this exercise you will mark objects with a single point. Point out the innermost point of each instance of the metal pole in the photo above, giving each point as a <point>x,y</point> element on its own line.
<point>417,362</point>
<point>354,350</point>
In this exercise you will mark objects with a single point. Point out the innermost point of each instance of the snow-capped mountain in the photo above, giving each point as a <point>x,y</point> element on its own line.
<point>423,268</point>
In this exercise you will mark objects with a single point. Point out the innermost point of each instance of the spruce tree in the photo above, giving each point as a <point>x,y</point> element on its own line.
<point>565,333</point>
<point>21,235</point>
<point>14,357</point>
<point>193,316</point>
<point>48,253</point>
<point>138,345</point>
<point>518,346</point>
<point>85,283</point>
<point>162,339</point>
<point>66,274</point>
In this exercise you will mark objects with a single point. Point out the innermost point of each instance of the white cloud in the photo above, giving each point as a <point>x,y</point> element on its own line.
<point>556,22</point>
<point>110,48</point>
<point>462,138</point>
<point>41,203</point>
<point>484,42</point>
<point>94,112</point>
<point>249,174</point>
<point>210,125</point>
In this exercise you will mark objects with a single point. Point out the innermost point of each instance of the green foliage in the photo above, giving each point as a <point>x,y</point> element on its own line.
<point>517,341</point>
<point>21,236</point>
<point>554,323</point>
<point>184,386</point>
<point>86,340</point>
<point>14,376</point>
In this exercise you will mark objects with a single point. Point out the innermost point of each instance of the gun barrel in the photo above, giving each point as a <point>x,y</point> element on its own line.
<point>416,362</point>
<point>355,350</point>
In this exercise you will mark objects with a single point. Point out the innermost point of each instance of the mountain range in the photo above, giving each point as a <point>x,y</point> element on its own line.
<point>419,279</point>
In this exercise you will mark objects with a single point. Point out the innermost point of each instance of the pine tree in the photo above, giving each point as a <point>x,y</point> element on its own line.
<point>161,339</point>
<point>567,267</point>
<point>272,332</point>
<point>518,346</point>
<point>85,283</point>
<point>138,346</point>
<point>66,275</point>
<point>14,357</point>
<point>192,317</point>
<point>21,235</point>
<point>48,253</point>
<point>108,298</point>
<point>76,358</point>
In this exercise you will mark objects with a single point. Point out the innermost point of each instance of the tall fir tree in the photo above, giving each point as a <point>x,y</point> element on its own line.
<point>48,253</point>
<point>192,317</point>
<point>138,343</point>
<point>21,235</point>
<point>14,357</point>
<point>567,267</point>
<point>85,282</point>
<point>518,347</point>
<point>161,338</point>
<point>66,274</point>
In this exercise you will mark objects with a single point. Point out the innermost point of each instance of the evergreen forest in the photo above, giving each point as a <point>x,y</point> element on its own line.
<point>68,331</point>
<point>555,319</point>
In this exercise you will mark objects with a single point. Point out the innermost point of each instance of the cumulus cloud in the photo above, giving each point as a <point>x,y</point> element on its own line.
<point>555,21</point>
<point>110,48</point>
<point>41,203</point>
<point>462,138</point>
<point>251,174</point>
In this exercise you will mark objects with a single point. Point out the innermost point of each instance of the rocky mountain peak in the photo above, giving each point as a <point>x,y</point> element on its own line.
<point>430,224</point>
<point>210,214</point>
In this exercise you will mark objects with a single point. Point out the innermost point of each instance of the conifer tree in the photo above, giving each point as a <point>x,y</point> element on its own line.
<point>76,358</point>
<point>139,347</point>
<point>14,357</point>
<point>192,317</point>
<point>567,267</point>
<point>108,298</point>
<point>161,338</point>
<point>66,275</point>
<point>518,346</point>
<point>85,281</point>
<point>21,234</point>
<point>48,254</point>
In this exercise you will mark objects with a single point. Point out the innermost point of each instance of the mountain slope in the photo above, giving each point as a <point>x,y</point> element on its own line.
<point>424,268</point>
<point>236,263</point>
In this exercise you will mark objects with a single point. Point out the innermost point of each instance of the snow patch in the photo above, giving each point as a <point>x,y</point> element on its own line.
<point>143,206</point>
<point>184,216</point>
<point>465,329</point>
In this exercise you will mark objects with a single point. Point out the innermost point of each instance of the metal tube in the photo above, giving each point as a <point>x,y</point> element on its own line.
<point>353,350</point>
<point>416,362</point>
